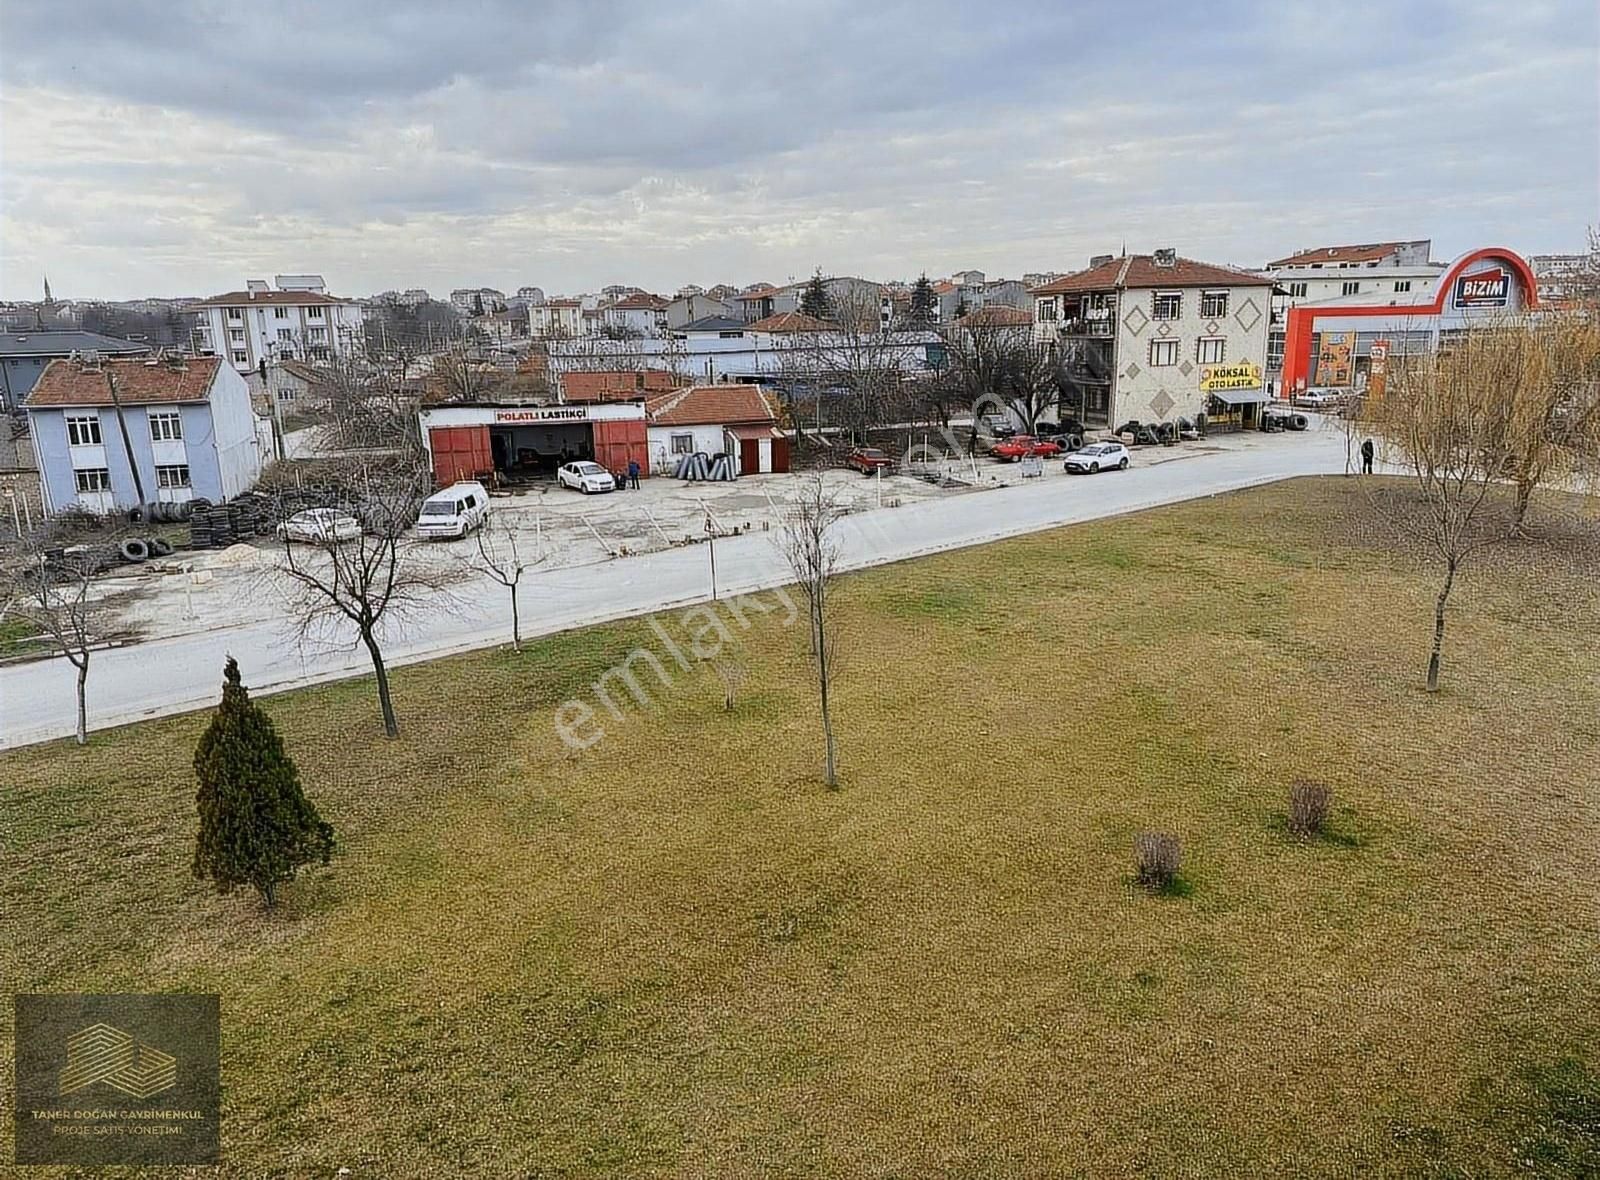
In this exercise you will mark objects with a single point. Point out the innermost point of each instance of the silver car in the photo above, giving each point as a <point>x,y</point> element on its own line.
<point>1097,457</point>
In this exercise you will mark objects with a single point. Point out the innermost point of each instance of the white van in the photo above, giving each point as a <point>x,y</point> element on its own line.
<point>455,511</point>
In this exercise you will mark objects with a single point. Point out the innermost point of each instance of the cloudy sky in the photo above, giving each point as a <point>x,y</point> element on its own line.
<point>167,148</point>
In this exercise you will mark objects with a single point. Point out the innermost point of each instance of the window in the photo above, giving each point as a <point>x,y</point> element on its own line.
<point>1163,352</point>
<point>236,336</point>
<point>236,313</point>
<point>286,393</point>
<point>1166,305</point>
<point>83,430</point>
<point>174,476</point>
<point>683,444</point>
<point>1213,304</point>
<point>1402,284</point>
<point>1297,290</point>
<point>239,357</point>
<point>285,335</point>
<point>1047,309</point>
<point>730,335</point>
<point>1209,349</point>
<point>93,479</point>
<point>280,313</point>
<point>314,313</point>
<point>316,333</point>
<point>1352,287</point>
<point>165,426</point>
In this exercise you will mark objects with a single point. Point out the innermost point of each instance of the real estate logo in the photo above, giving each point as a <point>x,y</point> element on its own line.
<point>132,1079</point>
<point>110,1056</point>
<point>1484,288</point>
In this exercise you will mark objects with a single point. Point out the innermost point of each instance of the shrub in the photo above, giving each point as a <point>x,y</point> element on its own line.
<point>1308,807</point>
<point>1158,856</point>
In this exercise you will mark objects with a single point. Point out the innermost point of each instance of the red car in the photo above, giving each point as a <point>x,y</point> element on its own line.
<point>1020,445</point>
<point>868,460</point>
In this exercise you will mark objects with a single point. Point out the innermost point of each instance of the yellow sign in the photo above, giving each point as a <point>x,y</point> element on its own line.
<point>1217,377</point>
<point>1336,360</point>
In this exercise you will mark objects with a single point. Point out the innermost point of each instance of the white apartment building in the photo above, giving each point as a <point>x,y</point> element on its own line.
<point>1156,337</point>
<point>1365,273</point>
<point>262,324</point>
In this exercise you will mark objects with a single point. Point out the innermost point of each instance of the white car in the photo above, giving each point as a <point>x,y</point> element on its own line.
<point>1320,399</point>
<point>320,526</point>
<point>1097,457</point>
<point>586,477</point>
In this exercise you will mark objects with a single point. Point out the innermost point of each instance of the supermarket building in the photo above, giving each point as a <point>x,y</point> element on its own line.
<point>1330,343</point>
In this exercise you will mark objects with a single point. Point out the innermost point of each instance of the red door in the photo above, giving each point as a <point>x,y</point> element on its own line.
<point>780,455</point>
<point>615,443</point>
<point>749,456</point>
<point>460,452</point>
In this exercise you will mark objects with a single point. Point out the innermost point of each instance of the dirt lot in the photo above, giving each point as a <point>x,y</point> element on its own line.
<point>218,588</point>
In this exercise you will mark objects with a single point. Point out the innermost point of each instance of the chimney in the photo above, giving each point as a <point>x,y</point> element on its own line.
<point>1100,260</point>
<point>1166,256</point>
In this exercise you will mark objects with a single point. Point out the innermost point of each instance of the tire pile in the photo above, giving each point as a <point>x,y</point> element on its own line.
<point>253,514</point>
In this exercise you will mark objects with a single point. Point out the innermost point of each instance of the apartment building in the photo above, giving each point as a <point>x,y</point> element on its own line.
<point>263,324</point>
<point>1157,337</point>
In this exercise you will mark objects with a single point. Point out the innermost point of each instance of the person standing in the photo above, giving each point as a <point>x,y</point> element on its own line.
<point>1366,457</point>
<point>633,474</point>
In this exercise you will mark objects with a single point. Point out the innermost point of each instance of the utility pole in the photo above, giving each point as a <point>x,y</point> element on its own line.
<point>127,442</point>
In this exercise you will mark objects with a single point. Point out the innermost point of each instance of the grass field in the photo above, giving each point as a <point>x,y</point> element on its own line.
<point>676,954</point>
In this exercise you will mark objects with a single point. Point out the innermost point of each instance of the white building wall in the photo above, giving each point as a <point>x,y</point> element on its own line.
<point>1153,393</point>
<point>233,421</point>
<point>710,439</point>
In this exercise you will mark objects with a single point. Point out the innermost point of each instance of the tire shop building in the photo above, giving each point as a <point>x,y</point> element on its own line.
<point>514,441</point>
<point>1346,342</point>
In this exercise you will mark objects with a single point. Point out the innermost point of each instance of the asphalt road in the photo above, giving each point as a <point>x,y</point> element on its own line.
<point>174,675</point>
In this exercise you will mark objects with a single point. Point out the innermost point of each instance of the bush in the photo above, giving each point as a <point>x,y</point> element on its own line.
<point>1309,804</point>
<point>1158,856</point>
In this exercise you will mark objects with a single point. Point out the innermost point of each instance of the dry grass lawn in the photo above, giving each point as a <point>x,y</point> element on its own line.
<point>675,954</point>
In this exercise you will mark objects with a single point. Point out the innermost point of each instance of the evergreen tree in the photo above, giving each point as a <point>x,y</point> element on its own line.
<point>961,307</point>
<point>814,300</point>
<point>923,303</point>
<point>477,304</point>
<point>256,825</point>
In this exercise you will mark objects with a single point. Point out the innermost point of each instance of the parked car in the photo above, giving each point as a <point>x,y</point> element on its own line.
<point>455,511</point>
<point>1321,399</point>
<point>868,460</point>
<point>319,526</point>
<point>1097,457</point>
<point>1019,445</point>
<point>995,425</point>
<point>586,477</point>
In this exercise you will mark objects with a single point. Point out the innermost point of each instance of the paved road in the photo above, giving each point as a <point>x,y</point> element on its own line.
<point>173,675</point>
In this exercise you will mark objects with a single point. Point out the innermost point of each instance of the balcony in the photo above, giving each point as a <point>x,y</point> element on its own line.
<point>1085,327</point>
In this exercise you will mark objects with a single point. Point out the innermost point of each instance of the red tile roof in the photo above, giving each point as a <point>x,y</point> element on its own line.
<point>790,321</point>
<point>998,316</point>
<point>266,299</point>
<point>712,405</point>
<point>139,382</point>
<point>1140,271</point>
<point>1367,252</point>
<point>640,303</point>
<point>617,384</point>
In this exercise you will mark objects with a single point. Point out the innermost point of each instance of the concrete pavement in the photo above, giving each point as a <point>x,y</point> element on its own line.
<point>176,674</point>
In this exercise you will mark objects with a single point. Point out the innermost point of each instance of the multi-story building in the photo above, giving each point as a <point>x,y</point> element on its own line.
<point>261,324</point>
<point>556,319</point>
<point>637,314</point>
<point>24,355</point>
<point>115,434</point>
<point>1157,337</point>
<point>1366,273</point>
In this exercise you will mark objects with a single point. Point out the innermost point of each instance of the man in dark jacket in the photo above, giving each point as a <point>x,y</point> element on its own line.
<point>1366,457</point>
<point>633,474</point>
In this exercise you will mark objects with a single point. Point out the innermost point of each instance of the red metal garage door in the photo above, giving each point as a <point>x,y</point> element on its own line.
<point>617,442</point>
<point>460,452</point>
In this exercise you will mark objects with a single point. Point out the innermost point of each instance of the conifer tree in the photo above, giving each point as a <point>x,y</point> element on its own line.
<point>923,302</point>
<point>814,299</point>
<point>256,824</point>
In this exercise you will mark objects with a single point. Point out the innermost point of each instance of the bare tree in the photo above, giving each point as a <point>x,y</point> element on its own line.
<point>1452,425</point>
<point>1554,389</point>
<point>499,557</point>
<point>368,580</point>
<point>813,558</point>
<point>1001,365</point>
<point>49,588</point>
<point>733,673</point>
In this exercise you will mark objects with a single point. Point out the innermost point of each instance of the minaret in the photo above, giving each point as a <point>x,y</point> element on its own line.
<point>47,299</point>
